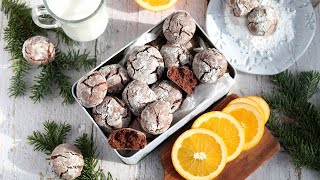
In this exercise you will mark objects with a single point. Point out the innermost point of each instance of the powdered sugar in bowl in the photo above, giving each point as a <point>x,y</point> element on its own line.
<point>265,55</point>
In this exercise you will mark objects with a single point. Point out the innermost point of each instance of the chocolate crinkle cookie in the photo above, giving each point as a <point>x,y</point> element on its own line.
<point>145,64</point>
<point>179,28</point>
<point>209,65</point>
<point>170,92</point>
<point>262,21</point>
<point>137,95</point>
<point>136,124</point>
<point>156,118</point>
<point>242,7</point>
<point>38,50</point>
<point>67,161</point>
<point>91,89</point>
<point>175,55</point>
<point>127,139</point>
<point>111,114</point>
<point>117,77</point>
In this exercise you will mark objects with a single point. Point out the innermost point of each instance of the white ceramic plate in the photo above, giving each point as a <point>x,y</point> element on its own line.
<point>286,54</point>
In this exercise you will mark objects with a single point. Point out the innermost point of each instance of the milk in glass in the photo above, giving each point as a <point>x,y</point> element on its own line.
<point>81,20</point>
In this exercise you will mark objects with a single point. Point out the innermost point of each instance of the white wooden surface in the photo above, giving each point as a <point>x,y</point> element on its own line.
<point>19,117</point>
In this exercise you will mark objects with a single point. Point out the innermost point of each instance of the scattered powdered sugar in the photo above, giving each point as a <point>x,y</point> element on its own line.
<point>262,45</point>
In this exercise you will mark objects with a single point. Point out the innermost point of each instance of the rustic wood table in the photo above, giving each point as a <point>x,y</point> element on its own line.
<point>20,116</point>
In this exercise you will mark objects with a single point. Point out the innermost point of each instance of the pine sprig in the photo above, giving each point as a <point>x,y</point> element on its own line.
<point>54,74</point>
<point>43,83</point>
<point>296,122</point>
<point>86,146</point>
<point>56,134</point>
<point>20,28</point>
<point>53,135</point>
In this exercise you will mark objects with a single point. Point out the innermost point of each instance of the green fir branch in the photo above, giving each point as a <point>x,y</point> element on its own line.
<point>76,60</point>
<point>53,135</point>
<point>89,172</point>
<point>43,83</point>
<point>296,122</point>
<point>20,28</point>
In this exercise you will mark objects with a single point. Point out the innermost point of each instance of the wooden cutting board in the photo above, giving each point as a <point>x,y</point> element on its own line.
<point>238,169</point>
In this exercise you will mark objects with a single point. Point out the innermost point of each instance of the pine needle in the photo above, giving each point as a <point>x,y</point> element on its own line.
<point>53,135</point>
<point>296,122</point>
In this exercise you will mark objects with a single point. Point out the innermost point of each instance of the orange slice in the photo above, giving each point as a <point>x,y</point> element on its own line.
<point>263,104</point>
<point>251,102</point>
<point>227,127</point>
<point>156,5</point>
<point>250,119</point>
<point>199,154</point>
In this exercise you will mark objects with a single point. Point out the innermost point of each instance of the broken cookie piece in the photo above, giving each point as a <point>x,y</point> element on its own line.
<point>127,139</point>
<point>91,89</point>
<point>209,65</point>
<point>179,28</point>
<point>145,64</point>
<point>67,161</point>
<point>183,77</point>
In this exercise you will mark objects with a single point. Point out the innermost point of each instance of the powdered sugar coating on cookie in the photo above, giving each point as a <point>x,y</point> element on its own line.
<point>169,92</point>
<point>91,89</point>
<point>175,55</point>
<point>156,118</point>
<point>145,64</point>
<point>117,77</point>
<point>137,95</point>
<point>209,65</point>
<point>111,114</point>
<point>242,7</point>
<point>179,28</point>
<point>262,21</point>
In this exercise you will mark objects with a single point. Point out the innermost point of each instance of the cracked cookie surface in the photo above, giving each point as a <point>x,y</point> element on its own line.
<point>156,118</point>
<point>169,92</point>
<point>175,55</point>
<point>179,28</point>
<point>91,89</point>
<point>67,161</point>
<point>209,65</point>
<point>242,7</point>
<point>117,77</point>
<point>145,64</point>
<point>137,95</point>
<point>262,21</point>
<point>111,114</point>
<point>38,50</point>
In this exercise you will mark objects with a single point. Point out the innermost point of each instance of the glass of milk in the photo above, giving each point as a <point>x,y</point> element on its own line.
<point>81,20</point>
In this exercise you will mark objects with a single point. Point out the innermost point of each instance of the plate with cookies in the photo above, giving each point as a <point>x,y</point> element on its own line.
<point>263,37</point>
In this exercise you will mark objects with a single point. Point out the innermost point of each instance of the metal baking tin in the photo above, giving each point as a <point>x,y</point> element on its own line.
<point>133,157</point>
